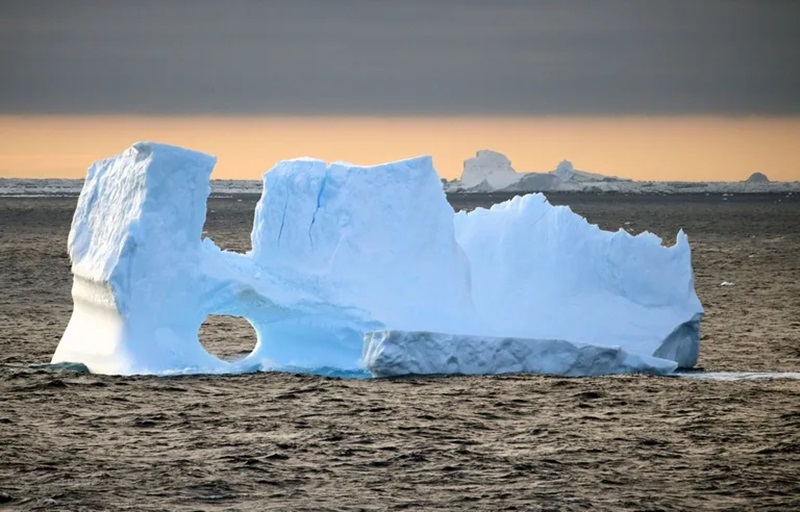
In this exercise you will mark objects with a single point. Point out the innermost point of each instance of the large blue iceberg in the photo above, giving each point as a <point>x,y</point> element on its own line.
<point>370,267</point>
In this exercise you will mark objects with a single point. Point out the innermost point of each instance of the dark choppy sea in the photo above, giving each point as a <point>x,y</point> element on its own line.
<point>70,440</point>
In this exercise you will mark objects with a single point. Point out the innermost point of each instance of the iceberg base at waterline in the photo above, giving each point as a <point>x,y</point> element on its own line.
<point>399,353</point>
<point>341,252</point>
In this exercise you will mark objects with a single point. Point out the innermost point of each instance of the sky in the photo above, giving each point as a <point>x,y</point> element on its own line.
<point>646,71</point>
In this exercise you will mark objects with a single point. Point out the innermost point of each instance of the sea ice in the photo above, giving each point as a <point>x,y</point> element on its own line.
<point>340,251</point>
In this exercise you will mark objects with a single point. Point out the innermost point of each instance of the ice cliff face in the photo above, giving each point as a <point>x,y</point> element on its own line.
<point>341,250</point>
<point>136,257</point>
<point>378,239</point>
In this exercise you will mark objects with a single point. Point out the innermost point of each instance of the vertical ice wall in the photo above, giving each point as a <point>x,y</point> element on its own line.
<point>376,238</point>
<point>135,251</point>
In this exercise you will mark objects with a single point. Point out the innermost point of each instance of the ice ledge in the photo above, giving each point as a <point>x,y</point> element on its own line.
<point>398,353</point>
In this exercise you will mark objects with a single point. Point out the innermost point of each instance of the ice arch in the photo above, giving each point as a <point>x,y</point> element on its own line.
<point>341,250</point>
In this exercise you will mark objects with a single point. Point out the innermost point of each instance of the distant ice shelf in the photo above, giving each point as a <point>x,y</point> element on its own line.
<point>490,171</point>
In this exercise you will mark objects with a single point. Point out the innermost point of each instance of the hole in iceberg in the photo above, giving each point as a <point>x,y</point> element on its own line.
<point>230,338</point>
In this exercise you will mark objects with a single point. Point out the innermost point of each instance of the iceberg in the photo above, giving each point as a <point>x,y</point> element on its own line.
<point>490,171</point>
<point>342,252</point>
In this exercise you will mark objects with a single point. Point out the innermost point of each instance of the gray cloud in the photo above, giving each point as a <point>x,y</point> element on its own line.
<point>400,57</point>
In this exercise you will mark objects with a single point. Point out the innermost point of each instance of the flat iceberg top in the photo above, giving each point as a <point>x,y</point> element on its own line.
<point>340,250</point>
<point>128,200</point>
<point>411,161</point>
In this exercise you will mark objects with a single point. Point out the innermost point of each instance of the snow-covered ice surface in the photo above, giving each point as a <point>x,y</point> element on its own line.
<point>341,250</point>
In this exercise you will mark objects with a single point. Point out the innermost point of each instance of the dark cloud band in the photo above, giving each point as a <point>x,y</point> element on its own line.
<point>403,57</point>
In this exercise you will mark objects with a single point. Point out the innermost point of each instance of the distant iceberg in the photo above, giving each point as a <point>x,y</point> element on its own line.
<point>489,171</point>
<point>341,252</point>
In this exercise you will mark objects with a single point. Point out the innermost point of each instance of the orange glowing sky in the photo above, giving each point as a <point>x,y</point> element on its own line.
<point>643,148</point>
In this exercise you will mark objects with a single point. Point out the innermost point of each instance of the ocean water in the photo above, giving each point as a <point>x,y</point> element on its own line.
<point>724,437</point>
